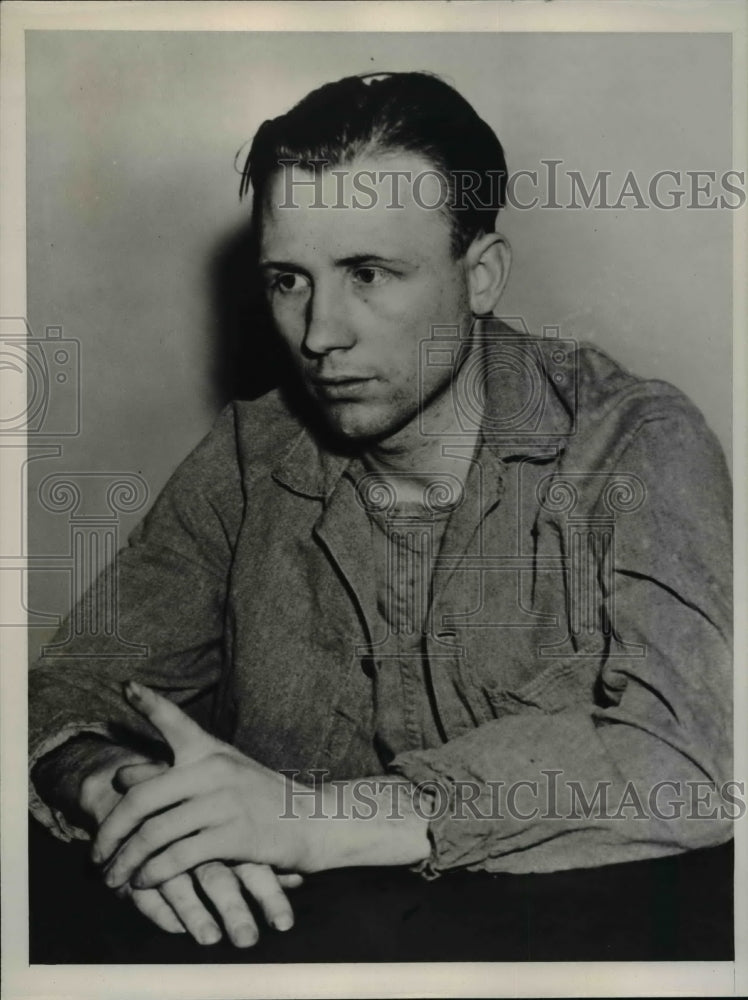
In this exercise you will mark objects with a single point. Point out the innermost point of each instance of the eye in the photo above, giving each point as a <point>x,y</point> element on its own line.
<point>289,283</point>
<point>370,276</point>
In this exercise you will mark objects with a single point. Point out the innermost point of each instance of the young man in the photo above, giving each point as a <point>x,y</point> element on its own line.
<point>462,595</point>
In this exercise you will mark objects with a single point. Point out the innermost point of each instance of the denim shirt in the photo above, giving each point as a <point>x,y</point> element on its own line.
<point>576,641</point>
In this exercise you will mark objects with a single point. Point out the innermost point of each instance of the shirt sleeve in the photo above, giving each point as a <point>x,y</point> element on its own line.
<point>171,586</point>
<point>638,771</point>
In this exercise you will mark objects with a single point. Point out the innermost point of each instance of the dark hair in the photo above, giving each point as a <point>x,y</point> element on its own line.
<point>412,112</point>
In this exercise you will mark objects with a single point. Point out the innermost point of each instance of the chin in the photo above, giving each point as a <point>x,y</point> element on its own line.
<point>364,428</point>
<point>355,433</point>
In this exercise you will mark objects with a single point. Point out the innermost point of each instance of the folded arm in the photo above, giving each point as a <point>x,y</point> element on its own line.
<point>522,793</point>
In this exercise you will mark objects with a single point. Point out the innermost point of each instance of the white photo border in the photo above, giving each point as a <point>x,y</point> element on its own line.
<point>475,979</point>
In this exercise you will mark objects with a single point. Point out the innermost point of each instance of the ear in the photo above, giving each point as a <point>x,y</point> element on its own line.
<point>488,261</point>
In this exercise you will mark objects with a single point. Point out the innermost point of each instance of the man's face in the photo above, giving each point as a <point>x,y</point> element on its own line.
<point>354,291</point>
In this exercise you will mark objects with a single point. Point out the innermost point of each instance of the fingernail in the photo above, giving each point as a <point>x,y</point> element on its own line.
<point>96,856</point>
<point>133,690</point>
<point>284,923</point>
<point>244,937</point>
<point>110,879</point>
<point>209,935</point>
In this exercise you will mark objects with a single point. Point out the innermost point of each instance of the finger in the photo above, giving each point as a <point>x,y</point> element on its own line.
<point>291,881</point>
<point>129,775</point>
<point>188,740</point>
<point>183,856</point>
<point>221,886</point>
<point>261,882</point>
<point>153,906</point>
<point>149,797</point>
<point>184,900</point>
<point>156,833</point>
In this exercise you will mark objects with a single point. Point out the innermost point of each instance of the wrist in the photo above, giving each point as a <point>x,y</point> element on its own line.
<point>366,822</point>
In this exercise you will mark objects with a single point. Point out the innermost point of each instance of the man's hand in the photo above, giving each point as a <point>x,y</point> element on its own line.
<point>88,776</point>
<point>175,906</point>
<point>216,803</point>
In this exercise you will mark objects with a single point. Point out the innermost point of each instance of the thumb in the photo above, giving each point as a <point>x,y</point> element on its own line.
<point>129,775</point>
<point>188,740</point>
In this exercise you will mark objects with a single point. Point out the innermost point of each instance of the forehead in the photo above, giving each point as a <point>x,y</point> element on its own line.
<point>357,208</point>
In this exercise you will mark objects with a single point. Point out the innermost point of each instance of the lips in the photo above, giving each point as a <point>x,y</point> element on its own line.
<point>341,379</point>
<point>342,386</point>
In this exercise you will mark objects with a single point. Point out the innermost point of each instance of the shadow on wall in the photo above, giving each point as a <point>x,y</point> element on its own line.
<point>248,359</point>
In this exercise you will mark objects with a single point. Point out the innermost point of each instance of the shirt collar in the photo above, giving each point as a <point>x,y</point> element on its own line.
<point>530,387</point>
<point>309,468</point>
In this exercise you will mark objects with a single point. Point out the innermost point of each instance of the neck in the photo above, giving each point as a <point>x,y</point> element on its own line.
<point>417,458</point>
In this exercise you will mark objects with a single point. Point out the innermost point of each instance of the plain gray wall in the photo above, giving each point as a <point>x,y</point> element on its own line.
<point>131,139</point>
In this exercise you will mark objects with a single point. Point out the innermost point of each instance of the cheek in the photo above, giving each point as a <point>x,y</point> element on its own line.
<point>439,300</point>
<point>288,319</point>
<point>399,317</point>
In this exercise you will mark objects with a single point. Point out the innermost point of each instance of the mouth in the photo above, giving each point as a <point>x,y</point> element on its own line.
<point>341,386</point>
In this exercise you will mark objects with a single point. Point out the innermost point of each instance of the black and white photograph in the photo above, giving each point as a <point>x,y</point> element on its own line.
<point>373,442</point>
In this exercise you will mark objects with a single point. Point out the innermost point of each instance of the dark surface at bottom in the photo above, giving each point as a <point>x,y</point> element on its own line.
<point>677,908</point>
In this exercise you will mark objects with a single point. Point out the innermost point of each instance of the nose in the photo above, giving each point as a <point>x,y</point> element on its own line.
<point>327,322</point>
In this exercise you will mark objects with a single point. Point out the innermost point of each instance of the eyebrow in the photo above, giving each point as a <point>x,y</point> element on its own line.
<point>367,258</point>
<point>280,265</point>
<point>353,260</point>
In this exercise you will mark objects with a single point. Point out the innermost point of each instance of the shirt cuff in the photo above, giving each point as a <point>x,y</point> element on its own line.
<point>50,817</point>
<point>452,845</point>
